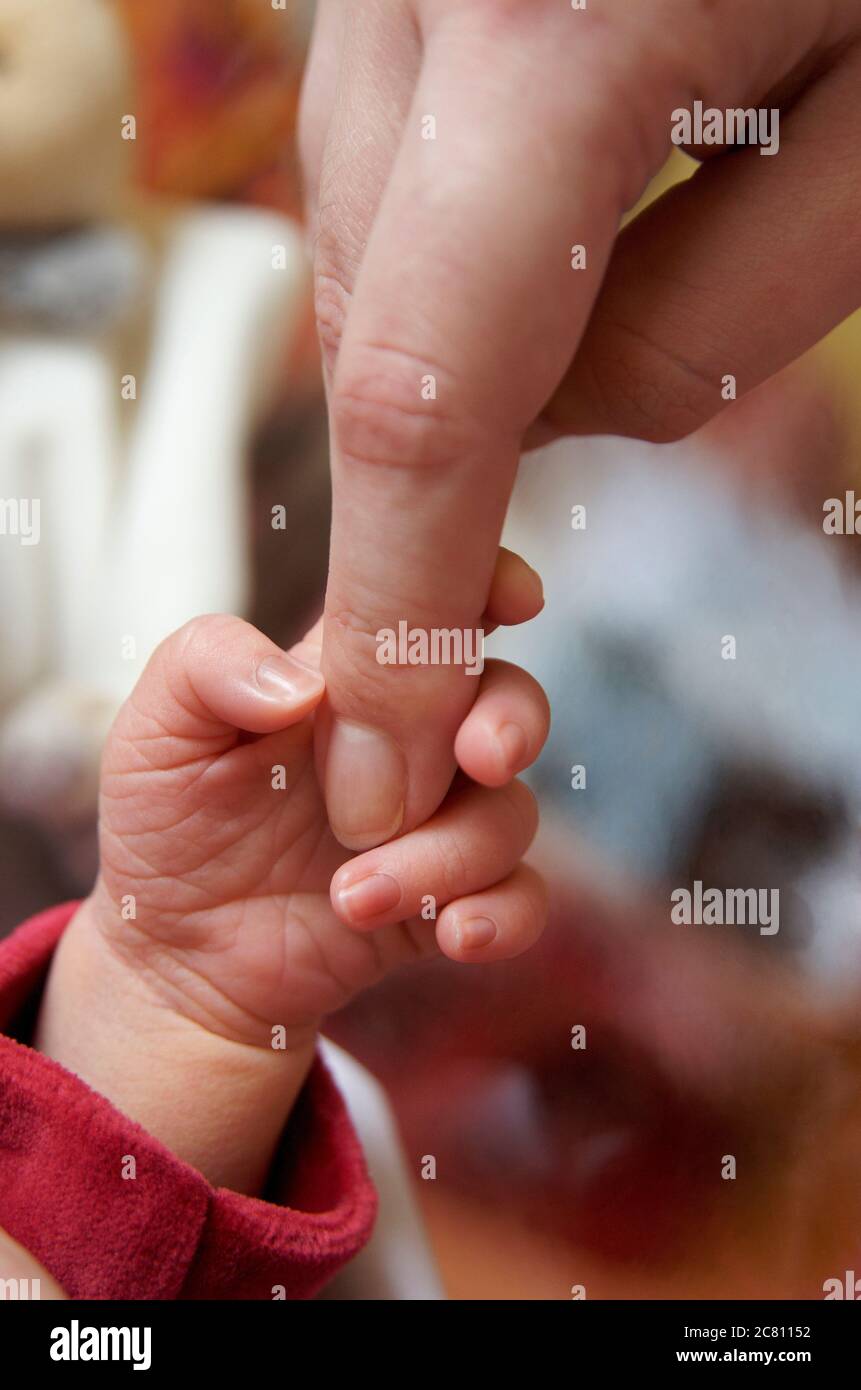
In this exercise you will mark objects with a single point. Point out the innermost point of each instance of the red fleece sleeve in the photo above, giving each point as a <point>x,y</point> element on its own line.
<point>166,1233</point>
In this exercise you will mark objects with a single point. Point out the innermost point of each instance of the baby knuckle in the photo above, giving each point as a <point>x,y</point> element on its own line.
<point>362,683</point>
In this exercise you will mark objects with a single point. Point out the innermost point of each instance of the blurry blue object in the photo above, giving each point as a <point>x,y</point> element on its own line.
<point>648,694</point>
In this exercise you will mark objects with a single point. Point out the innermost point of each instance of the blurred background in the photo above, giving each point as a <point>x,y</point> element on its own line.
<point>556,1164</point>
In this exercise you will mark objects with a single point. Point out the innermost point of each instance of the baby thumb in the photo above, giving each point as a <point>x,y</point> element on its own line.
<point>213,676</point>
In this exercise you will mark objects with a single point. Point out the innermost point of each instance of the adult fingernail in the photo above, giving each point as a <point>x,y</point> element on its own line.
<point>475,933</point>
<point>368,897</point>
<point>366,782</point>
<point>514,746</point>
<point>285,679</point>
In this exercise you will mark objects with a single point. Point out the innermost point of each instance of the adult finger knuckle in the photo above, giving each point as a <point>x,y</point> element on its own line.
<point>386,410</point>
<point>336,262</point>
<point>410,695</point>
<point>331,303</point>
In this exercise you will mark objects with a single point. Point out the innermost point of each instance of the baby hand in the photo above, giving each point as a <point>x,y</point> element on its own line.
<point>227,921</point>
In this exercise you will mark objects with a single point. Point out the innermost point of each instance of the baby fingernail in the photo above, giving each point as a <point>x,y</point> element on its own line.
<point>366,783</point>
<point>475,933</point>
<point>284,678</point>
<point>514,744</point>
<point>367,898</point>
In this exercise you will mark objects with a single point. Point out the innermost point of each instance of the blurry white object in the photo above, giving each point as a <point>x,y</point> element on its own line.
<point>142,502</point>
<point>397,1262</point>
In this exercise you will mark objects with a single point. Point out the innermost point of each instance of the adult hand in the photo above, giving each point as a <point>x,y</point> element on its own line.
<point>456,151</point>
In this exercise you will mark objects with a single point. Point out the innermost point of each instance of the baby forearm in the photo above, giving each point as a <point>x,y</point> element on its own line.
<point>219,1105</point>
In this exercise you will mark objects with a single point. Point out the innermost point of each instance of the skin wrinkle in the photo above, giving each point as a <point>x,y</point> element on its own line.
<point>452,866</point>
<point>174,984</point>
<point>125,838</point>
<point>366,629</point>
<point>365,689</point>
<point>169,736</point>
<point>356,412</point>
<point>200,1006</point>
<point>680,367</point>
<point>319,839</point>
<point>205,759</point>
<point>371,608</point>
<point>168,835</point>
<point>169,831</point>
<point>364,681</point>
<point>659,274</point>
<point>319,950</point>
<point>355,151</point>
<point>156,974</point>
<point>612,384</point>
<point>162,734</point>
<point>213,763</point>
<point>331,301</point>
<point>152,996</point>
<point>121,840</point>
<point>418,366</point>
<point>241,903</point>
